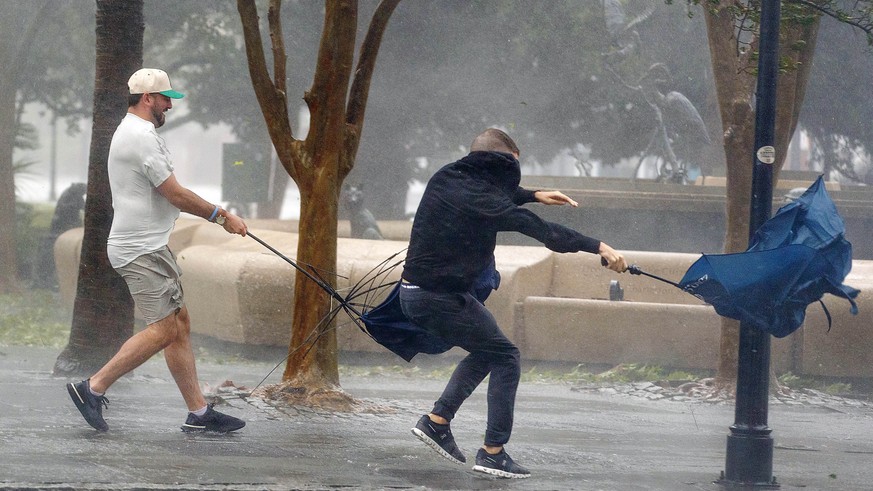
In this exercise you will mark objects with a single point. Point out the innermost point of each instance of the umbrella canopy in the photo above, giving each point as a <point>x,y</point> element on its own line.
<point>387,325</point>
<point>795,258</point>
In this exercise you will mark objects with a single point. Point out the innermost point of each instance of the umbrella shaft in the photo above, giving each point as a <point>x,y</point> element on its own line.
<point>677,285</point>
<point>333,293</point>
<point>635,270</point>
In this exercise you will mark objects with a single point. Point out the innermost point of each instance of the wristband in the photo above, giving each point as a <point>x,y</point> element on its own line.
<point>214,212</point>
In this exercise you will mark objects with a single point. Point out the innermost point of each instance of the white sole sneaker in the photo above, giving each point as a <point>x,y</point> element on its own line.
<point>499,473</point>
<point>434,445</point>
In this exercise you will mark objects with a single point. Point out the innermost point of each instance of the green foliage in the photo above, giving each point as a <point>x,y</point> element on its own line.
<point>32,222</point>
<point>858,14</point>
<point>796,382</point>
<point>21,172</point>
<point>577,375</point>
<point>27,137</point>
<point>633,372</point>
<point>32,318</point>
<point>624,373</point>
<point>439,373</point>
<point>25,237</point>
<point>57,68</point>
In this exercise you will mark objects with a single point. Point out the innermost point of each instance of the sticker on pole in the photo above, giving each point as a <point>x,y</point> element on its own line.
<point>767,154</point>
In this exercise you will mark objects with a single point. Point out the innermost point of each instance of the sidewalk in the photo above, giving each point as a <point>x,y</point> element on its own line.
<point>569,439</point>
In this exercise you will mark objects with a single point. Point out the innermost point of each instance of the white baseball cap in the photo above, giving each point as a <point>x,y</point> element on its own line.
<point>151,80</point>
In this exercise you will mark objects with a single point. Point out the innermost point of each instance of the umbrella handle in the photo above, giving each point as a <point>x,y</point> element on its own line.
<point>635,270</point>
<point>632,269</point>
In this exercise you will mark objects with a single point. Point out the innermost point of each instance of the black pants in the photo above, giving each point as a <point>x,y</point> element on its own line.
<point>463,321</point>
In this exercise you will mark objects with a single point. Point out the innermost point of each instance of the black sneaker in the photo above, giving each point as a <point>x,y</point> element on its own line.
<point>438,437</point>
<point>212,421</point>
<point>500,464</point>
<point>89,405</point>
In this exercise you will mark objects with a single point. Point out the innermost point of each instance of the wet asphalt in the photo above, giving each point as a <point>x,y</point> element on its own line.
<point>569,439</point>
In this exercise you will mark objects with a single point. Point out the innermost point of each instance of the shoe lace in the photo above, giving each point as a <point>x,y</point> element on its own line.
<point>102,400</point>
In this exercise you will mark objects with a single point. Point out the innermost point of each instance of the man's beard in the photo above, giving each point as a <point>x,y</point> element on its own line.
<point>159,118</point>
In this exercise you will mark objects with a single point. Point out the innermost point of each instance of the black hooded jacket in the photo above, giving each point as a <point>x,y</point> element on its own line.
<point>463,207</point>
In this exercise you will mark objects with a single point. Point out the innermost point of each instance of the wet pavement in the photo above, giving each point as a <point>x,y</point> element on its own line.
<point>591,439</point>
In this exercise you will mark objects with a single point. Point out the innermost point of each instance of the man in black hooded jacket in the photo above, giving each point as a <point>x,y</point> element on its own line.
<point>453,237</point>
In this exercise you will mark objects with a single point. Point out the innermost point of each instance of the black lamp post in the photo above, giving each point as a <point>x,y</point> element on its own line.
<point>749,459</point>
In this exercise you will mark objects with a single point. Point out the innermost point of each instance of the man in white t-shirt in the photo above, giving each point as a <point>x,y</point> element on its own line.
<point>147,199</point>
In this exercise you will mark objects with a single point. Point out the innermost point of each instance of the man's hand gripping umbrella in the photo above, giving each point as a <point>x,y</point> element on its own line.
<point>635,270</point>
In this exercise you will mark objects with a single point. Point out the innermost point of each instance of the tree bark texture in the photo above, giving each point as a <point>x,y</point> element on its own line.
<point>103,309</point>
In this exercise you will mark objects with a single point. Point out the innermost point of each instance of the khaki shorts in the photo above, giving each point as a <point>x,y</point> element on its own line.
<point>153,281</point>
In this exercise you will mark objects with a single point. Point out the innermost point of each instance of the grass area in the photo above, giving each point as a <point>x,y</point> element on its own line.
<point>625,373</point>
<point>436,373</point>
<point>828,387</point>
<point>32,318</point>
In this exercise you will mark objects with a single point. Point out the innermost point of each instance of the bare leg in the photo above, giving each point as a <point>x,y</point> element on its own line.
<point>180,361</point>
<point>135,351</point>
<point>172,334</point>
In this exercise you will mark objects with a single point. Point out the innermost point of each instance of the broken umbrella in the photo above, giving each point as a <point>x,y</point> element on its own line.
<point>796,257</point>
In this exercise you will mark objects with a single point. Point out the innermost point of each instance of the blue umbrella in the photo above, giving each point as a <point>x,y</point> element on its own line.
<point>387,325</point>
<point>795,258</point>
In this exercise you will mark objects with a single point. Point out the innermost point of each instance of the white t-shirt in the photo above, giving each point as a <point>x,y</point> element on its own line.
<point>138,162</point>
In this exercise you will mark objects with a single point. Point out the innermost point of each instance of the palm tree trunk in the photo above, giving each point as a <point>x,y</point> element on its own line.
<point>103,308</point>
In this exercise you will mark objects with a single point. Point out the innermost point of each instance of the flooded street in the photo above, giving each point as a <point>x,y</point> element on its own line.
<point>570,439</point>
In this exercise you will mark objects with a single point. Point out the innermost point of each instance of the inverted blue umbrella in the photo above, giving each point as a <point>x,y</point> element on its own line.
<point>388,326</point>
<point>796,257</point>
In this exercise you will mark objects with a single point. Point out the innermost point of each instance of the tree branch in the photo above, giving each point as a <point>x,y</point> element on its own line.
<point>273,101</point>
<point>279,58</point>
<point>327,97</point>
<point>367,63</point>
<point>18,55</point>
<point>862,22</point>
<point>359,93</point>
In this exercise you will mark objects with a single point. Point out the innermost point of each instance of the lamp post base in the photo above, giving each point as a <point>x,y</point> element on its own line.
<point>749,462</point>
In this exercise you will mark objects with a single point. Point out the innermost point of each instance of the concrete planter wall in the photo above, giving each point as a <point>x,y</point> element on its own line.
<point>554,306</point>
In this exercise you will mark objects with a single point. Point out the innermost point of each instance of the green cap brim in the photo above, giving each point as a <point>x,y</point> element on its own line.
<point>172,94</point>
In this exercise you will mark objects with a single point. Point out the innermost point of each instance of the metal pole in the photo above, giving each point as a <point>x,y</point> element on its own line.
<point>749,459</point>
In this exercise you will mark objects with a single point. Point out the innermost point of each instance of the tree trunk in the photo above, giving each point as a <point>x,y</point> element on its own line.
<point>103,308</point>
<point>315,362</point>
